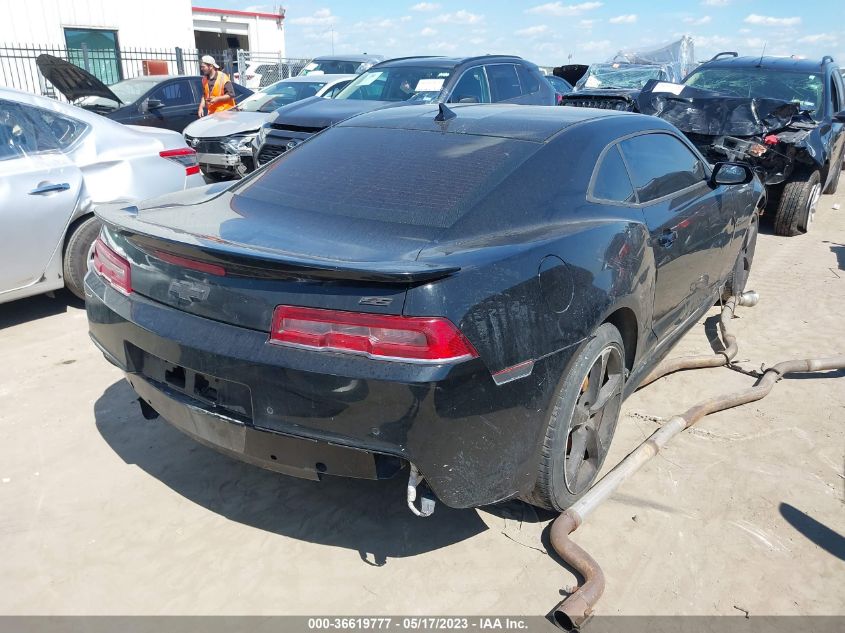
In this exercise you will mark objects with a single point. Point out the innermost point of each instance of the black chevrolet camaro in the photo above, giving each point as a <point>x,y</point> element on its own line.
<point>470,290</point>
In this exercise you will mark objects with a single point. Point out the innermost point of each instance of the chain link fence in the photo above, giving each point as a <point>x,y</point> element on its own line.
<point>251,69</point>
<point>257,70</point>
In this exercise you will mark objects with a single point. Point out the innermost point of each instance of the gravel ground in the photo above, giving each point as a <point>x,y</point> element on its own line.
<point>106,513</point>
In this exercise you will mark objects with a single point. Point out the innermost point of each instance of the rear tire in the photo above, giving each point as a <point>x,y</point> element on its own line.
<point>738,277</point>
<point>76,254</point>
<point>584,413</point>
<point>798,204</point>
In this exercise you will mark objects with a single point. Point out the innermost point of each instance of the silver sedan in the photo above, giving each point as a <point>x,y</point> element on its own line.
<point>57,163</point>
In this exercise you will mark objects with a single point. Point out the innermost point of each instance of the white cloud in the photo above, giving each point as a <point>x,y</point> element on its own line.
<point>624,19</point>
<point>532,31</point>
<point>698,21</point>
<point>458,17</point>
<point>595,45</point>
<point>559,9</point>
<point>818,37</point>
<point>405,18</point>
<point>320,17</point>
<point>588,24</point>
<point>446,47</point>
<point>428,32</point>
<point>766,20</point>
<point>425,6</point>
<point>716,3</point>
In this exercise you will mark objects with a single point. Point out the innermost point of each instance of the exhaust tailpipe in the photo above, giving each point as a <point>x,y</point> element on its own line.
<point>577,608</point>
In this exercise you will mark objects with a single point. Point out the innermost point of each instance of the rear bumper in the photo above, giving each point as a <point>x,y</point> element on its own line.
<point>307,414</point>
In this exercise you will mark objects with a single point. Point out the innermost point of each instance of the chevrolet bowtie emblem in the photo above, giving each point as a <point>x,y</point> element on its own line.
<point>189,291</point>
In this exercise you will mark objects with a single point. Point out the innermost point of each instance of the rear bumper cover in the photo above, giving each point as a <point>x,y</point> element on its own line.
<point>313,414</point>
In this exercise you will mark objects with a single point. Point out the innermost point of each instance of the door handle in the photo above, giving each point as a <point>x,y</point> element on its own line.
<point>48,187</point>
<point>667,238</point>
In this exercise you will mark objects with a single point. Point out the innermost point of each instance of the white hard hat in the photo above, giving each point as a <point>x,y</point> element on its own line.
<point>208,59</point>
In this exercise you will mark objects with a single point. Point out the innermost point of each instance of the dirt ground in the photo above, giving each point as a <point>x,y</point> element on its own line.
<point>102,512</point>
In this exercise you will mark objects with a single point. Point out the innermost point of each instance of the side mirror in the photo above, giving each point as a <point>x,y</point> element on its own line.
<point>154,104</point>
<point>731,174</point>
<point>839,117</point>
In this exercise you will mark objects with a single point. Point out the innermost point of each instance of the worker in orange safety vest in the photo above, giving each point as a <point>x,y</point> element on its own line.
<point>221,94</point>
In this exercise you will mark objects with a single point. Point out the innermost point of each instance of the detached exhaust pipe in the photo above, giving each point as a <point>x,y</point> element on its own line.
<point>747,299</point>
<point>573,611</point>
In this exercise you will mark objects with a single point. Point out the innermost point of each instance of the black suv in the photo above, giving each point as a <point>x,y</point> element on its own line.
<point>785,116</point>
<point>408,81</point>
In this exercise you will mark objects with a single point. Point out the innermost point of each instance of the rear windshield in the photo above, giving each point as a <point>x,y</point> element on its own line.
<point>627,76</point>
<point>397,176</point>
<point>334,67</point>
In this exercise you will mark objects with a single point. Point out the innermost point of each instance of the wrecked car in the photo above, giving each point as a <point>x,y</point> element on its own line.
<point>614,85</point>
<point>223,140</point>
<point>402,315</point>
<point>784,116</point>
<point>57,163</point>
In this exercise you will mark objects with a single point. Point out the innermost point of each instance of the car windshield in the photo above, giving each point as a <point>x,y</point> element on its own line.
<point>560,85</point>
<point>334,67</point>
<point>280,94</point>
<point>400,83</point>
<point>803,88</point>
<point>128,91</point>
<point>629,76</point>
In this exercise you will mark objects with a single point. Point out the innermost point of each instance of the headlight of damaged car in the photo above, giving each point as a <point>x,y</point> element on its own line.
<point>262,134</point>
<point>241,144</point>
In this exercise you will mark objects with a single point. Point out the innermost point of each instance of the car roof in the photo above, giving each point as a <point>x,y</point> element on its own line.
<point>518,122</point>
<point>774,63</point>
<point>444,62</point>
<point>347,58</point>
<point>327,78</point>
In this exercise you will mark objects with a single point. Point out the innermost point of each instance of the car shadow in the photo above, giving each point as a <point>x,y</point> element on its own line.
<point>827,539</point>
<point>370,517</point>
<point>38,307</point>
<point>839,251</point>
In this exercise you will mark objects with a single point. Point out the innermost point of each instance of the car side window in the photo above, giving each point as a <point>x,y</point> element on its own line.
<point>528,80</point>
<point>332,92</point>
<point>504,83</point>
<point>834,95</point>
<point>472,87</point>
<point>21,135</point>
<point>661,165</point>
<point>63,129</point>
<point>611,181</point>
<point>176,93</point>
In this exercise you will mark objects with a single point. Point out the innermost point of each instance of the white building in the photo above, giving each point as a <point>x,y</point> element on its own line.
<point>117,39</point>
<point>218,29</point>
<point>145,25</point>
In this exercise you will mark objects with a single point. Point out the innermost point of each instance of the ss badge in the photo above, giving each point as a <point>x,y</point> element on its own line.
<point>375,301</point>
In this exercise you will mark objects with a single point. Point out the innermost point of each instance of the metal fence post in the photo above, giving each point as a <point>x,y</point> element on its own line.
<point>180,61</point>
<point>85,61</point>
<point>227,61</point>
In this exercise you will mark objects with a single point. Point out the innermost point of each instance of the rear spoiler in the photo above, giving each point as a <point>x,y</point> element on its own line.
<point>246,261</point>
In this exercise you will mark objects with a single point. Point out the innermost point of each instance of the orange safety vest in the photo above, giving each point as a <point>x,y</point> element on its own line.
<point>216,91</point>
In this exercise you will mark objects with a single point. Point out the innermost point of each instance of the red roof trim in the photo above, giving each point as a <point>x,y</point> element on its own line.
<point>248,14</point>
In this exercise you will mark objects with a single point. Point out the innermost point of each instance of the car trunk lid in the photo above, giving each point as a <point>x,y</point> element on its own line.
<point>214,262</point>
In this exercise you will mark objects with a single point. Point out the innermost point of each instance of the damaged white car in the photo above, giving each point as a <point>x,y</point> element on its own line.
<point>57,163</point>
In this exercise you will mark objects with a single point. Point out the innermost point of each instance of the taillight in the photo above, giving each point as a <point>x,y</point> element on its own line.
<point>184,156</point>
<point>112,267</point>
<point>380,336</point>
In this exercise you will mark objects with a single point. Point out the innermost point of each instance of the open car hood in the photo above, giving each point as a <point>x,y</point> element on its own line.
<point>570,72</point>
<point>697,111</point>
<point>72,81</point>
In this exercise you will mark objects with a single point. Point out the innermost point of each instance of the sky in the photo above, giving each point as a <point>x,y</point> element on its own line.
<point>547,33</point>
